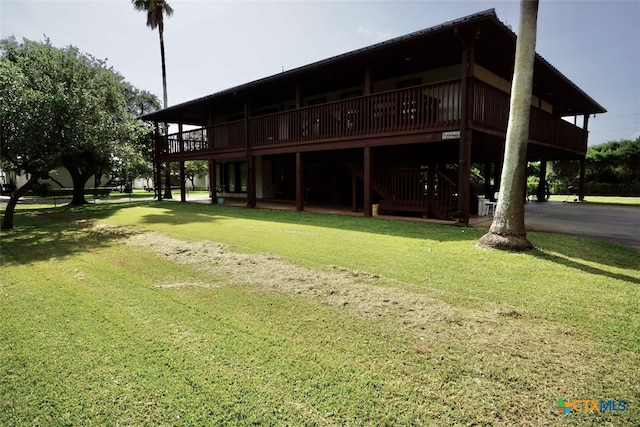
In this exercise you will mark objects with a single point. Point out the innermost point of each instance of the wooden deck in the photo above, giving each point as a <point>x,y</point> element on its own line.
<point>419,114</point>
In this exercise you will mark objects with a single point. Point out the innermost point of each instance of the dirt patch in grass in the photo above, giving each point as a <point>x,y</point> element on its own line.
<point>497,346</point>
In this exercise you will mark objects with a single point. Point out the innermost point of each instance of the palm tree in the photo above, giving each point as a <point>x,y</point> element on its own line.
<point>156,9</point>
<point>507,229</point>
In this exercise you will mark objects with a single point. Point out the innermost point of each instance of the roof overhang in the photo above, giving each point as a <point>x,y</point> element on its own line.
<point>494,50</point>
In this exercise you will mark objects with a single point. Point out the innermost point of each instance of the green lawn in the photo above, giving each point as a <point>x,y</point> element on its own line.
<point>612,200</point>
<point>187,314</point>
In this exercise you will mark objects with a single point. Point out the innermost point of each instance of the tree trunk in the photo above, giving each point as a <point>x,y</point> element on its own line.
<point>55,180</point>
<point>164,68</point>
<point>79,181</point>
<point>507,229</point>
<point>167,182</point>
<point>7,220</point>
<point>167,189</point>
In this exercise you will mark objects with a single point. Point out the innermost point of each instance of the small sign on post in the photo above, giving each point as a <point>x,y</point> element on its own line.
<point>451,135</point>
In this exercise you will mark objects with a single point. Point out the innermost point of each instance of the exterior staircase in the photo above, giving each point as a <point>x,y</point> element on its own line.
<point>426,190</point>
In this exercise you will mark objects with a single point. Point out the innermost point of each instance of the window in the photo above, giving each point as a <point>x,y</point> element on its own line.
<point>235,177</point>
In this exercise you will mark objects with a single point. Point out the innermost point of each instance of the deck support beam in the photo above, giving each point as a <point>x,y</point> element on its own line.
<point>541,192</point>
<point>183,183</point>
<point>368,177</point>
<point>251,181</point>
<point>354,191</point>
<point>464,153</point>
<point>581,185</point>
<point>157,168</point>
<point>181,173</point>
<point>299,182</point>
<point>487,180</point>
<point>167,181</point>
<point>212,181</point>
<point>497,175</point>
<point>158,181</point>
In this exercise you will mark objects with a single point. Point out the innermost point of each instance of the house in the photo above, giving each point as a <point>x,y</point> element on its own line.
<point>400,124</point>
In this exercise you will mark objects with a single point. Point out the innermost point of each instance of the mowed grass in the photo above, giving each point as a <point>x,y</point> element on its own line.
<point>609,200</point>
<point>94,331</point>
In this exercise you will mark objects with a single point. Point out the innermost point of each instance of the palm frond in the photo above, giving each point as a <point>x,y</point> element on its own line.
<point>156,9</point>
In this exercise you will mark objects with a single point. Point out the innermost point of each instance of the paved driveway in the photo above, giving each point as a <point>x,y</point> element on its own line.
<point>618,224</point>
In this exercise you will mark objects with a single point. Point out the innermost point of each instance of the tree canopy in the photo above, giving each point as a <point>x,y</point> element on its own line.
<point>60,107</point>
<point>611,168</point>
<point>614,162</point>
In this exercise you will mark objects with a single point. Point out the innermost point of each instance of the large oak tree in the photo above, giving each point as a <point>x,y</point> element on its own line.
<point>59,107</point>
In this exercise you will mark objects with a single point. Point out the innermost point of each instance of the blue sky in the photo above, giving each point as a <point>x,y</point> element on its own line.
<point>213,45</point>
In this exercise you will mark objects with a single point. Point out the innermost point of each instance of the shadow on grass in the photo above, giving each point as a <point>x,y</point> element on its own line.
<point>176,216</point>
<point>55,233</point>
<point>43,234</point>
<point>574,247</point>
<point>184,213</point>
<point>579,266</point>
<point>585,249</point>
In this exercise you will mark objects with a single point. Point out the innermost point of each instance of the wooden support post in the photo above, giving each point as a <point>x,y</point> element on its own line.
<point>299,182</point>
<point>464,146</point>
<point>497,175</point>
<point>251,182</point>
<point>368,177</point>
<point>431,180</point>
<point>583,167</point>
<point>157,168</point>
<point>581,185</point>
<point>541,192</point>
<point>212,181</point>
<point>158,181</point>
<point>487,180</point>
<point>183,183</point>
<point>335,186</point>
<point>354,191</point>
<point>167,181</point>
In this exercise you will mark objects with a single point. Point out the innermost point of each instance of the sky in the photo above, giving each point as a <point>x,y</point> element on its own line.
<point>212,45</point>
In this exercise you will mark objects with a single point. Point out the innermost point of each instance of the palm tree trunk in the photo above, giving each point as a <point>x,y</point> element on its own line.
<point>508,229</point>
<point>164,68</point>
<point>167,188</point>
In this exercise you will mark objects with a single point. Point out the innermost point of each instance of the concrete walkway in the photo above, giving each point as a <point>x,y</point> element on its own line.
<point>613,223</point>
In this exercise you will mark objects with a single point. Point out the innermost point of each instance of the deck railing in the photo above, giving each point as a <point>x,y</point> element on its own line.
<point>406,110</point>
<point>427,190</point>
<point>416,109</point>
<point>545,128</point>
<point>491,111</point>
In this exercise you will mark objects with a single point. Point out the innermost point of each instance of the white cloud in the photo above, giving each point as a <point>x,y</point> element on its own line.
<point>373,33</point>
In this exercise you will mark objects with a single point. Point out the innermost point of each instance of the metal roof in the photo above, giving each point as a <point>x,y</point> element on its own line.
<point>487,19</point>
